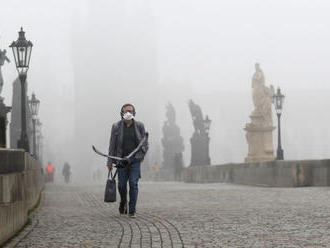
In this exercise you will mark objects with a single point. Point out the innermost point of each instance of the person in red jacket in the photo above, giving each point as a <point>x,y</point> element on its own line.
<point>50,170</point>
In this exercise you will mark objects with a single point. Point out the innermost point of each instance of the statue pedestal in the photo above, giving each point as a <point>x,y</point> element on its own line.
<point>260,139</point>
<point>200,149</point>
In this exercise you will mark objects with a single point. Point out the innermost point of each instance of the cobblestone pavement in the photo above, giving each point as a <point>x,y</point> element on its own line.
<point>181,215</point>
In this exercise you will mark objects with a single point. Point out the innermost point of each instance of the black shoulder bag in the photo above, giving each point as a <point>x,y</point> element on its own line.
<point>110,188</point>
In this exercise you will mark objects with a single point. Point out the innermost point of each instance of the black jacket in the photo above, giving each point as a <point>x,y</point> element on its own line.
<point>116,140</point>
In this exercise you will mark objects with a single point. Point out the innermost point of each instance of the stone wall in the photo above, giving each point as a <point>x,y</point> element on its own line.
<point>21,182</point>
<point>273,173</point>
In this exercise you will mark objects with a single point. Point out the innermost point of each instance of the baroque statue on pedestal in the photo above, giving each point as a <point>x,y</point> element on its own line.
<point>259,131</point>
<point>200,139</point>
<point>172,141</point>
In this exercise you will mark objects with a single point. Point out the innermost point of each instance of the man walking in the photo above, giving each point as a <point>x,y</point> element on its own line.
<point>50,170</point>
<point>125,137</point>
<point>66,172</point>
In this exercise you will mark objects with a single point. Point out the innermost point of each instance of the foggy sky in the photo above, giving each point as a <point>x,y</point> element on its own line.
<point>175,50</point>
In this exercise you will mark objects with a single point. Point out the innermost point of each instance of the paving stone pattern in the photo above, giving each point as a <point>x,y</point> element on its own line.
<point>181,215</point>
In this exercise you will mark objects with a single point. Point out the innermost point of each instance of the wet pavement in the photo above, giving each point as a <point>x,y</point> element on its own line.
<point>181,215</point>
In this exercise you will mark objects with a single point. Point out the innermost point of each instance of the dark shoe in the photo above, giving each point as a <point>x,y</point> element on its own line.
<point>132,215</point>
<point>123,208</point>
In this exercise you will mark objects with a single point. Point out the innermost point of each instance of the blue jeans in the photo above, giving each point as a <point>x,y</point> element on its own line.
<point>132,175</point>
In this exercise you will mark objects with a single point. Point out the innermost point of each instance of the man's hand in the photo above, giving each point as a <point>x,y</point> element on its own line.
<point>110,167</point>
<point>126,161</point>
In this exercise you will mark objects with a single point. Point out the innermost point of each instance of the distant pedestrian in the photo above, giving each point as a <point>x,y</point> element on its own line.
<point>66,172</point>
<point>126,134</point>
<point>50,171</point>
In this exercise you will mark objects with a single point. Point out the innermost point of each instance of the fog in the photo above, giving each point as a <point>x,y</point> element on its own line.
<point>91,57</point>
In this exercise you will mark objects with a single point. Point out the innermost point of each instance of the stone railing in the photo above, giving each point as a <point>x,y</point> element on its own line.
<point>273,173</point>
<point>21,183</point>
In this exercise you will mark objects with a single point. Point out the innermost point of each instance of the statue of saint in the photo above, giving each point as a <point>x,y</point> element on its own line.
<point>200,139</point>
<point>172,140</point>
<point>262,96</point>
<point>259,133</point>
<point>170,114</point>
<point>197,116</point>
<point>3,59</point>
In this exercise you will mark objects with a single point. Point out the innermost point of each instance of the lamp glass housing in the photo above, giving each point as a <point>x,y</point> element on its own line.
<point>279,100</point>
<point>34,105</point>
<point>22,49</point>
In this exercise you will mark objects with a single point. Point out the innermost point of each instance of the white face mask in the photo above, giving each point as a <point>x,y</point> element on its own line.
<point>128,116</point>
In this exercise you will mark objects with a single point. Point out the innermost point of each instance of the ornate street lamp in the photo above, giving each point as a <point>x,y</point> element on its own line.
<point>278,101</point>
<point>39,139</point>
<point>34,108</point>
<point>22,53</point>
<point>207,124</point>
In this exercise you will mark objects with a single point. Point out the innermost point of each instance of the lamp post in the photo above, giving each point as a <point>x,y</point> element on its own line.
<point>279,99</point>
<point>40,147</point>
<point>22,53</point>
<point>34,107</point>
<point>207,124</point>
<point>38,139</point>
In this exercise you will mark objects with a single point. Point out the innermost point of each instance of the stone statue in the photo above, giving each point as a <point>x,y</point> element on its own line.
<point>262,96</point>
<point>3,108</point>
<point>3,59</point>
<point>200,139</point>
<point>172,141</point>
<point>170,114</point>
<point>259,132</point>
<point>197,116</point>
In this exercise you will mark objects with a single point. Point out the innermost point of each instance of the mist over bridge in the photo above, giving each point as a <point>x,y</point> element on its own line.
<point>91,57</point>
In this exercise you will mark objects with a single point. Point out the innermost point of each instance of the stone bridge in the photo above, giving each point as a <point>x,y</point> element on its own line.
<point>170,214</point>
<point>173,214</point>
